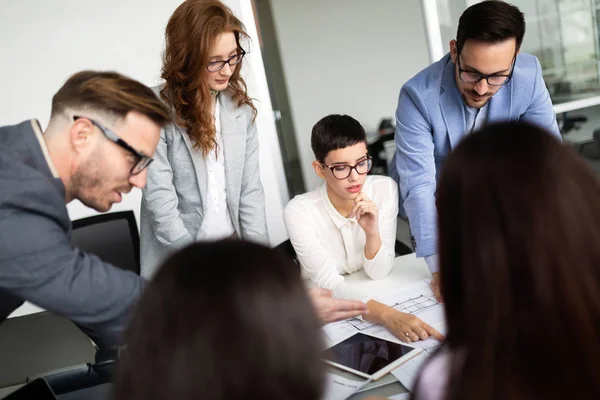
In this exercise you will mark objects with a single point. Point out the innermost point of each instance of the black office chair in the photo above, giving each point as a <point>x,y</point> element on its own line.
<point>53,347</point>
<point>113,237</point>
<point>286,249</point>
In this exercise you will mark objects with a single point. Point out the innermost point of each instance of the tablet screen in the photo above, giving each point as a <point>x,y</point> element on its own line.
<point>366,354</point>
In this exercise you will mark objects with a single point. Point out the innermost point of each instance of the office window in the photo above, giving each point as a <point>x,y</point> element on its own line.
<point>563,34</point>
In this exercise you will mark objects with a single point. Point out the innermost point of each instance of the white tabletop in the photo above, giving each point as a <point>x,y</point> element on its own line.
<point>407,270</point>
<point>26,309</point>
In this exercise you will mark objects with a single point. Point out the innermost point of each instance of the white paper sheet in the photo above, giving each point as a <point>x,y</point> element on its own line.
<point>418,299</point>
<point>401,396</point>
<point>340,388</point>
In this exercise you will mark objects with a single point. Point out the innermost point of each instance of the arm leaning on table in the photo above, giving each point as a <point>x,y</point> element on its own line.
<point>415,166</point>
<point>322,269</point>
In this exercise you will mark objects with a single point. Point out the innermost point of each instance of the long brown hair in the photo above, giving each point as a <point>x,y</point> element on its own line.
<point>190,34</point>
<point>519,247</point>
<point>229,320</point>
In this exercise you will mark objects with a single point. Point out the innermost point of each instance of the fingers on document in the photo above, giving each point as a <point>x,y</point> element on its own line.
<point>433,332</point>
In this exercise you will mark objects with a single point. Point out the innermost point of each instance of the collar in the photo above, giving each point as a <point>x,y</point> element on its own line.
<point>338,219</point>
<point>35,125</point>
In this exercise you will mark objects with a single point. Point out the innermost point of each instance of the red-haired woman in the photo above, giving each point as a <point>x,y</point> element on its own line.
<point>205,181</point>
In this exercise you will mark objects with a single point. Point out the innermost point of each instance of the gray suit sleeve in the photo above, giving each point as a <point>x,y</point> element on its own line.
<point>39,264</point>
<point>253,219</point>
<point>161,202</point>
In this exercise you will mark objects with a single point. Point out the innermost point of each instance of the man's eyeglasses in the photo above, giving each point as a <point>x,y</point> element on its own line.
<point>343,171</point>
<point>475,77</point>
<point>215,66</point>
<point>141,161</point>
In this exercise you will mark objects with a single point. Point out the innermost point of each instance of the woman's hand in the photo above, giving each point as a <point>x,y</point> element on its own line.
<point>366,214</point>
<point>405,327</point>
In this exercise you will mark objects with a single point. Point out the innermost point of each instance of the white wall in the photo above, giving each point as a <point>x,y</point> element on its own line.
<point>347,56</point>
<point>42,42</point>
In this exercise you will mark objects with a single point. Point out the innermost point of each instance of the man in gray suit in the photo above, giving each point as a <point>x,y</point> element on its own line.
<point>103,131</point>
<point>102,134</point>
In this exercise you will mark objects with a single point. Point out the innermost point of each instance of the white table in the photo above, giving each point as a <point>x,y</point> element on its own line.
<point>407,270</point>
<point>26,309</point>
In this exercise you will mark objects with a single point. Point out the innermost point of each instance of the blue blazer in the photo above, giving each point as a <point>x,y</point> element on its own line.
<point>430,122</point>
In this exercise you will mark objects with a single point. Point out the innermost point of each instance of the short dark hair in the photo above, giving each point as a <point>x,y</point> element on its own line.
<point>109,93</point>
<point>491,21</point>
<point>334,132</point>
<point>519,258</point>
<point>229,320</point>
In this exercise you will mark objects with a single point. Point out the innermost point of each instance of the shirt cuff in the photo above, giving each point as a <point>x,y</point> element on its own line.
<point>432,263</point>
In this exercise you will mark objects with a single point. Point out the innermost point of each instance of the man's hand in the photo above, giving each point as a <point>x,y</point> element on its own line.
<point>329,309</point>
<point>435,287</point>
<point>366,214</point>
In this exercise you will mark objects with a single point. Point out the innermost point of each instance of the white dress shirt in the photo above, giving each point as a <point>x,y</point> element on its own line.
<point>329,245</point>
<point>217,221</point>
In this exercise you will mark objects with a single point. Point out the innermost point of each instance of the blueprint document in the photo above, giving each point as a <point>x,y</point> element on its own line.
<point>417,299</point>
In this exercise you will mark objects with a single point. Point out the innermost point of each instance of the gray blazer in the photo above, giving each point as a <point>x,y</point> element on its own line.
<point>172,201</point>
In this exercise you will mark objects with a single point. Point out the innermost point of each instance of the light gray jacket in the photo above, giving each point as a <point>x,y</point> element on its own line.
<point>172,201</point>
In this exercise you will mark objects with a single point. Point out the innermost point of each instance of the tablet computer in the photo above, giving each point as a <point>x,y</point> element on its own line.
<point>368,356</point>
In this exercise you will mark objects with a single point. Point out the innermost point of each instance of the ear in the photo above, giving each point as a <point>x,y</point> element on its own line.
<point>318,169</point>
<point>453,50</point>
<point>80,134</point>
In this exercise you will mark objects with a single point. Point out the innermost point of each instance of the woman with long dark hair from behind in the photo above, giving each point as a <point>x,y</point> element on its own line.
<point>519,234</point>
<point>245,330</point>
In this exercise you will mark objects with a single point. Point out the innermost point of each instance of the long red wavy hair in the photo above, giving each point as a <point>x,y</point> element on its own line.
<point>190,34</point>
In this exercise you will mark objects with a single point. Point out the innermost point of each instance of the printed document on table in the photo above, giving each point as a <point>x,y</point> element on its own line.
<point>340,388</point>
<point>417,299</point>
<point>401,396</point>
<point>408,372</point>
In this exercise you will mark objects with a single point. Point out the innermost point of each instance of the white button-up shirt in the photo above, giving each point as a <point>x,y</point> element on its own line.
<point>217,221</point>
<point>329,245</point>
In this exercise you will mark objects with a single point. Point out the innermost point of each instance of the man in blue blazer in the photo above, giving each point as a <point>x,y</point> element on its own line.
<point>483,79</point>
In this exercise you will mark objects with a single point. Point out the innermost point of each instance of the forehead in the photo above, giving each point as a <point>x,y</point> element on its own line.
<point>488,57</point>
<point>140,132</point>
<point>347,155</point>
<point>224,44</point>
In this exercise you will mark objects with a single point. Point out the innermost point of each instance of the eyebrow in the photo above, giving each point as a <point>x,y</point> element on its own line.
<point>219,57</point>
<point>345,163</point>
<point>471,69</point>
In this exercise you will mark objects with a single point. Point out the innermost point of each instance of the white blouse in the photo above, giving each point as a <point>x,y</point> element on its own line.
<point>217,223</point>
<point>329,245</point>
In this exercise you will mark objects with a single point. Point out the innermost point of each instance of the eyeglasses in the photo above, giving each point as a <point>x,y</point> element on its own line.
<point>215,66</point>
<point>141,161</point>
<point>343,171</point>
<point>492,80</point>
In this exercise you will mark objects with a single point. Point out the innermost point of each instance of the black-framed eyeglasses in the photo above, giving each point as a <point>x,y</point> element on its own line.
<point>492,80</point>
<point>141,161</point>
<point>343,171</point>
<point>215,66</point>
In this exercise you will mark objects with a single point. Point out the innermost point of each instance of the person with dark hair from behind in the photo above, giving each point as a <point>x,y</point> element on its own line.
<point>102,134</point>
<point>520,270</point>
<point>245,330</point>
<point>349,223</point>
<point>483,79</point>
